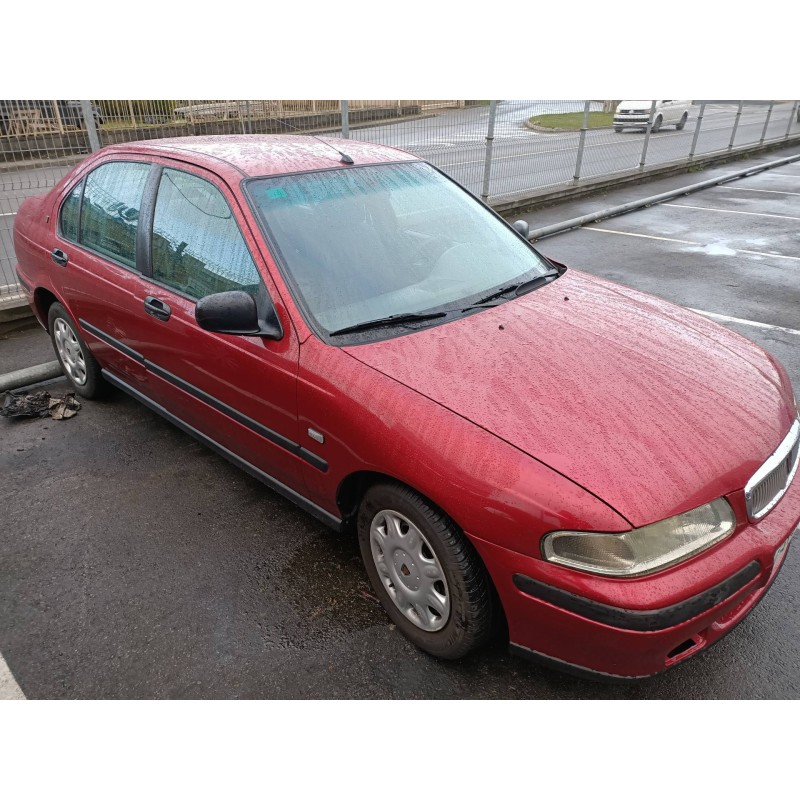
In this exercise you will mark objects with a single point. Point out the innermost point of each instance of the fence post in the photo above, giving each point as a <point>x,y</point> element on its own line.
<point>647,135</point>
<point>791,120</point>
<point>345,120</point>
<point>697,130</point>
<point>584,127</point>
<point>487,167</point>
<point>766,123</point>
<point>91,128</point>
<point>57,117</point>
<point>735,125</point>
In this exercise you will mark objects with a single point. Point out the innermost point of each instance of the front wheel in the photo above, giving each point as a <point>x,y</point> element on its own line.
<point>682,124</point>
<point>617,129</point>
<point>425,572</point>
<point>657,124</point>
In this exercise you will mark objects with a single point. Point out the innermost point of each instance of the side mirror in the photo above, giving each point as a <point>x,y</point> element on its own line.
<point>236,313</point>
<point>520,226</point>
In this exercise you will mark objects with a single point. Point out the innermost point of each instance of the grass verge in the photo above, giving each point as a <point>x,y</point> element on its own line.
<point>571,122</point>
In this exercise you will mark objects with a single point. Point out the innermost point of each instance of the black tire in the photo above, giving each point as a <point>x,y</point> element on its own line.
<point>617,129</point>
<point>657,124</point>
<point>469,624</point>
<point>682,124</point>
<point>94,385</point>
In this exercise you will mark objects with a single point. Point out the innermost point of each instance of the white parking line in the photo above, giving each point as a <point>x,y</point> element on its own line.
<point>694,244</point>
<point>780,174</point>
<point>750,322</point>
<point>9,688</point>
<point>766,191</point>
<point>9,214</point>
<point>729,211</point>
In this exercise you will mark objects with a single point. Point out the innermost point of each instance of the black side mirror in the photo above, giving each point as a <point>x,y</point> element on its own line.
<point>236,313</point>
<point>520,226</point>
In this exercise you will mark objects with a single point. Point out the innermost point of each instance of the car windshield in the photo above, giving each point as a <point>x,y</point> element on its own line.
<point>366,243</point>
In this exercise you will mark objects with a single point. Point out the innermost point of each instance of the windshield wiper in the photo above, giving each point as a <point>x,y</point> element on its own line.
<point>517,288</point>
<point>395,319</point>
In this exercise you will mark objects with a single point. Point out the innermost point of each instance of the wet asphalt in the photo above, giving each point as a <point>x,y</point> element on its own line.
<point>135,563</point>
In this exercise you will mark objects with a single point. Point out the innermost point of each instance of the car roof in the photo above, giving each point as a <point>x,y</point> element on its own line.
<point>254,155</point>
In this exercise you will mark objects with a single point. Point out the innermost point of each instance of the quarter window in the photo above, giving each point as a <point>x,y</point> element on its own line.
<point>110,210</point>
<point>198,248</point>
<point>68,219</point>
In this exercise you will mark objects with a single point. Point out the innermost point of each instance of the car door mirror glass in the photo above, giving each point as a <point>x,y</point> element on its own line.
<point>236,313</point>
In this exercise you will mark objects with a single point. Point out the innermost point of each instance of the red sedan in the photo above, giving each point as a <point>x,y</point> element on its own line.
<point>609,473</point>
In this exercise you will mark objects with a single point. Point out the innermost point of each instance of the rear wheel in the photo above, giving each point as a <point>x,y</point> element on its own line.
<point>682,124</point>
<point>79,365</point>
<point>425,572</point>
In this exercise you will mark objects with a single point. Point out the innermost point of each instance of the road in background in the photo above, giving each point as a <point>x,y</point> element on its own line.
<point>137,563</point>
<point>524,160</point>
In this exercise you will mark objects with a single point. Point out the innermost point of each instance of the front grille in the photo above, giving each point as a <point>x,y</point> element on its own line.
<point>772,479</point>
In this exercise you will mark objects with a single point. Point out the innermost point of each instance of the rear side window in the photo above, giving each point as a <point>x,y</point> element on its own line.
<point>110,210</point>
<point>198,248</point>
<point>68,217</point>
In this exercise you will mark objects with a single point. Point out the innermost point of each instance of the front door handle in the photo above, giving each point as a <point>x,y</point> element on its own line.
<point>59,256</point>
<point>157,308</point>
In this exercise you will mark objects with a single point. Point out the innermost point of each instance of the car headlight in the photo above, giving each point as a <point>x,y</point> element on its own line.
<point>642,550</point>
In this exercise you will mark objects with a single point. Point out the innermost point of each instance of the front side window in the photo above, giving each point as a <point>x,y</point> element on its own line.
<point>198,248</point>
<point>363,244</point>
<point>68,216</point>
<point>110,210</point>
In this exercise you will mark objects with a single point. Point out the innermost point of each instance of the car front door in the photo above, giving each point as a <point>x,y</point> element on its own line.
<point>668,111</point>
<point>237,391</point>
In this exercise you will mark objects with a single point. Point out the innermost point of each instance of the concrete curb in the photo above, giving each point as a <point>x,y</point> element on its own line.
<point>30,375</point>
<point>634,205</point>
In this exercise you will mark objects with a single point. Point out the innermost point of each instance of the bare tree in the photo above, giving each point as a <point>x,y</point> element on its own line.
<point>609,106</point>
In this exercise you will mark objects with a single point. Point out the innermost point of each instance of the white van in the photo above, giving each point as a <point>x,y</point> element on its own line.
<point>636,113</point>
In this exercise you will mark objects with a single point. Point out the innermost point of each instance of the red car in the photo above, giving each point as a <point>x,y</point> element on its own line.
<point>511,440</point>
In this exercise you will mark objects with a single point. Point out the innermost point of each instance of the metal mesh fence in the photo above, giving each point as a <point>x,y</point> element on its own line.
<point>503,151</point>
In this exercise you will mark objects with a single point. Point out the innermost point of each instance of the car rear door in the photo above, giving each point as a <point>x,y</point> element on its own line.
<point>239,391</point>
<point>97,255</point>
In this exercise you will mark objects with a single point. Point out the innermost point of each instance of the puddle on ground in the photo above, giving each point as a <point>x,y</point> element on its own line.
<point>324,594</point>
<point>714,249</point>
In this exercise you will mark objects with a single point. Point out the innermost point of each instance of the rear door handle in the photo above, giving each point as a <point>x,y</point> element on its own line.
<point>157,308</point>
<point>59,256</point>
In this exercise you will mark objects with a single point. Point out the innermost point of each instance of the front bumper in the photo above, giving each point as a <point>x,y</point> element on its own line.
<point>632,121</point>
<point>634,628</point>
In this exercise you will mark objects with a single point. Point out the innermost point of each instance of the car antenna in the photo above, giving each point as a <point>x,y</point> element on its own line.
<point>345,158</point>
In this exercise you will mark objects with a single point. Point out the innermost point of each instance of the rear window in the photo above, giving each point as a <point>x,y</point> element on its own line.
<point>110,210</point>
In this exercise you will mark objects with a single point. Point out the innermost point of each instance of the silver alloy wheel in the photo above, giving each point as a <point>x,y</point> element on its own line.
<point>69,349</point>
<point>409,570</point>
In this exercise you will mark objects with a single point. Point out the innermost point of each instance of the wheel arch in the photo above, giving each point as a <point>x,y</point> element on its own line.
<point>348,499</point>
<point>43,299</point>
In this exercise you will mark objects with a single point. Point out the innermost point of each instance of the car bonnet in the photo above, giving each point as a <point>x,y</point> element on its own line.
<point>650,407</point>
